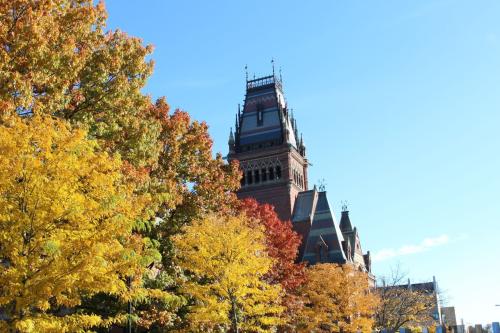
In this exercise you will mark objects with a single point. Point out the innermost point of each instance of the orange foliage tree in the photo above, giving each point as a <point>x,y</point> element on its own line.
<point>186,183</point>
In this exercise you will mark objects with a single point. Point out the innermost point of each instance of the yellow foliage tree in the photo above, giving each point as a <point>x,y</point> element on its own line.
<point>226,261</point>
<point>65,226</point>
<point>336,299</point>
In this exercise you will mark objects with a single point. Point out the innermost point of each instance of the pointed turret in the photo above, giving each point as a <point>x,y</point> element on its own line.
<point>302,147</point>
<point>230,142</point>
<point>345,222</point>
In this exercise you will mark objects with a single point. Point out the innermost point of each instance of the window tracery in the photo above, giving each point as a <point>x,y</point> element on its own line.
<point>257,172</point>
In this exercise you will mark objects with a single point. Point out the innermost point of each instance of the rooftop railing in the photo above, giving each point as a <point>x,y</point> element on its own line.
<point>263,81</point>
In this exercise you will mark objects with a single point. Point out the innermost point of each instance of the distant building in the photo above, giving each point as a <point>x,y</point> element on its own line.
<point>448,316</point>
<point>495,327</point>
<point>429,288</point>
<point>273,161</point>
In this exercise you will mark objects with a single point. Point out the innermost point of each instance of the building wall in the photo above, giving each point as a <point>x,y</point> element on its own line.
<point>281,193</point>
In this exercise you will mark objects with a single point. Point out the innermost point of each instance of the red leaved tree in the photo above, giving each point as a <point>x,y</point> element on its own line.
<point>282,245</point>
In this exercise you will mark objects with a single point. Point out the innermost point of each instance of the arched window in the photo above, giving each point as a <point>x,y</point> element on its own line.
<point>278,172</point>
<point>249,177</point>
<point>271,173</point>
<point>263,174</point>
<point>256,177</point>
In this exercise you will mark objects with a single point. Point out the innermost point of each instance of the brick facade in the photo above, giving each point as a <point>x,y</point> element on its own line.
<point>274,165</point>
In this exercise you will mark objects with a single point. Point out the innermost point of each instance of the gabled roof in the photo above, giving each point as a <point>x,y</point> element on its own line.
<point>314,220</point>
<point>304,205</point>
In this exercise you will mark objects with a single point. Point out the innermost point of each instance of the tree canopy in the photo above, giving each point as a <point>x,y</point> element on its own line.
<point>336,299</point>
<point>66,217</point>
<point>226,262</point>
<point>109,200</point>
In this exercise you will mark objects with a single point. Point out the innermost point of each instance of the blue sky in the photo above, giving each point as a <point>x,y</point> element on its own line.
<point>399,104</point>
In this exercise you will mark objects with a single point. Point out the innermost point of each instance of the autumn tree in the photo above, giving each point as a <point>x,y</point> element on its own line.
<point>336,299</point>
<point>57,59</point>
<point>282,244</point>
<point>66,217</point>
<point>186,183</point>
<point>226,261</point>
<point>400,305</point>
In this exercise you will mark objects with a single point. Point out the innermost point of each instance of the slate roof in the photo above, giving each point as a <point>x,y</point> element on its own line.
<point>265,119</point>
<point>323,239</point>
<point>345,222</point>
<point>314,220</point>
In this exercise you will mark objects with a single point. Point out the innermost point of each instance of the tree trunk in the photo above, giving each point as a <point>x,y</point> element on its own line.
<point>234,316</point>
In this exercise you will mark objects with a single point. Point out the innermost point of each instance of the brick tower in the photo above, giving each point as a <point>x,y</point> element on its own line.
<point>267,145</point>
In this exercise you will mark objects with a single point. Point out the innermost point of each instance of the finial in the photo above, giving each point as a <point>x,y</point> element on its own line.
<point>246,72</point>
<point>322,185</point>
<point>272,63</point>
<point>344,206</point>
<point>281,80</point>
<point>231,137</point>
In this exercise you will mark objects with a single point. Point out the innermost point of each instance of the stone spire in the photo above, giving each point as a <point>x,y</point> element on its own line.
<point>231,141</point>
<point>302,146</point>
